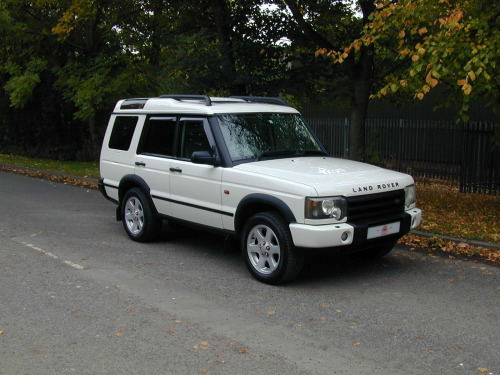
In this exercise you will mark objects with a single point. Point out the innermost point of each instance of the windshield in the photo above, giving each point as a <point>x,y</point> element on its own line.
<point>261,135</point>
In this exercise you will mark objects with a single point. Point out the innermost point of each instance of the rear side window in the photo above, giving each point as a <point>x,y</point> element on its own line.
<point>122,133</point>
<point>158,137</point>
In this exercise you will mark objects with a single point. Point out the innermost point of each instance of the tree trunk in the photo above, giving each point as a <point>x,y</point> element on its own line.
<point>95,147</point>
<point>362,74</point>
<point>359,103</point>
<point>223,24</point>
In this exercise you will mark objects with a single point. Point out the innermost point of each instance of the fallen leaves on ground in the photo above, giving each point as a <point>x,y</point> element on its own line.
<point>52,177</point>
<point>447,211</point>
<point>452,248</point>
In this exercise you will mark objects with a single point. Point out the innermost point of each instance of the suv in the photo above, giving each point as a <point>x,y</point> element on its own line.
<point>250,168</point>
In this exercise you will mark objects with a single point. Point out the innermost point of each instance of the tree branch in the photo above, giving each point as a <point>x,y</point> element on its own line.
<point>307,29</point>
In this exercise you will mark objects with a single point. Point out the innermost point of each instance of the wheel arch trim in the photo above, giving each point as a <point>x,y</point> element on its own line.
<point>128,182</point>
<point>250,200</point>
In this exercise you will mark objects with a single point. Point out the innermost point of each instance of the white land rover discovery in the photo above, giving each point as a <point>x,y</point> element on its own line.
<point>248,167</point>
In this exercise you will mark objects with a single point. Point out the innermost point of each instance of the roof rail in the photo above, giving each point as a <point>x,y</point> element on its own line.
<point>262,99</point>
<point>207,100</point>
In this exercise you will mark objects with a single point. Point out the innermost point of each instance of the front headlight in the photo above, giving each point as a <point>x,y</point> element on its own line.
<point>326,208</point>
<point>410,197</point>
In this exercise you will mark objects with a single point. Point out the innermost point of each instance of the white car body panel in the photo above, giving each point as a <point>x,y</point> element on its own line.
<point>331,176</point>
<point>210,195</point>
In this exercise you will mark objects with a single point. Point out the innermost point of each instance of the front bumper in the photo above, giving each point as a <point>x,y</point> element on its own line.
<point>354,236</point>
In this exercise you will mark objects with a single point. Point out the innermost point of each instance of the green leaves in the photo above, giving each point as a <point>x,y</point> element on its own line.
<point>454,43</point>
<point>22,83</point>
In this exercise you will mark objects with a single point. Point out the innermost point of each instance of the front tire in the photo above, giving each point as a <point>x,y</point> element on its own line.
<point>268,249</point>
<point>139,218</point>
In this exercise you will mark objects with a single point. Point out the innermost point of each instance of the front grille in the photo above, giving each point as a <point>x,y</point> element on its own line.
<point>375,209</point>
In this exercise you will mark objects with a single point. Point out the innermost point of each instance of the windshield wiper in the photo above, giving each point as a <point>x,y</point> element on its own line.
<point>312,153</point>
<point>276,153</point>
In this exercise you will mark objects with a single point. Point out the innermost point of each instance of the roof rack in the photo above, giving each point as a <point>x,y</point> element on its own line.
<point>262,99</point>
<point>207,100</point>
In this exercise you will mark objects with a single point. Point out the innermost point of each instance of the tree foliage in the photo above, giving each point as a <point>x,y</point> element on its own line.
<point>64,63</point>
<point>451,43</point>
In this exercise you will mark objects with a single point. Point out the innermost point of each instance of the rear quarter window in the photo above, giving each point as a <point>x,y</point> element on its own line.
<point>123,130</point>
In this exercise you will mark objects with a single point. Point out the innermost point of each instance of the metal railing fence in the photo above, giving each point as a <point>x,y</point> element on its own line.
<point>466,154</point>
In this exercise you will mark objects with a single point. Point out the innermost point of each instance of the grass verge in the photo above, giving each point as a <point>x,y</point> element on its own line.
<point>446,211</point>
<point>69,168</point>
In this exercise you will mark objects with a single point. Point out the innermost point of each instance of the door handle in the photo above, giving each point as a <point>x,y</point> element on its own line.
<point>140,163</point>
<point>176,170</point>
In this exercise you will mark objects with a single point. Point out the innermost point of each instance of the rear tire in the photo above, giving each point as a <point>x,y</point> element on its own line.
<point>139,218</point>
<point>268,249</point>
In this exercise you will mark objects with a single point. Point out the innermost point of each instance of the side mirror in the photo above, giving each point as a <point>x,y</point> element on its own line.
<point>203,157</point>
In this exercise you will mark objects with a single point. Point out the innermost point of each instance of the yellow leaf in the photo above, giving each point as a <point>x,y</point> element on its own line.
<point>415,58</point>
<point>432,81</point>
<point>420,95</point>
<point>271,312</point>
<point>467,88</point>
<point>119,334</point>
<point>422,30</point>
<point>357,343</point>
<point>461,82</point>
<point>321,51</point>
<point>402,34</point>
<point>1,332</point>
<point>472,75</point>
<point>421,50</point>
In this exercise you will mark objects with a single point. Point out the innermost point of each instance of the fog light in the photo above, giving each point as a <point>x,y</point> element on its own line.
<point>344,236</point>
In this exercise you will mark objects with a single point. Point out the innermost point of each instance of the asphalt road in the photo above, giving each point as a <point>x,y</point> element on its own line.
<point>78,297</point>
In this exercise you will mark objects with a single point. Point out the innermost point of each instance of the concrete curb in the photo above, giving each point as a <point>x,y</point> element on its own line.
<point>457,240</point>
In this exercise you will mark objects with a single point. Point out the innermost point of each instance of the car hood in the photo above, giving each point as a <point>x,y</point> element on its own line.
<point>331,176</point>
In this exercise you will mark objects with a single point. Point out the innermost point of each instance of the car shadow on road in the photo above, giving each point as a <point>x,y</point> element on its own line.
<point>327,268</point>
<point>351,268</point>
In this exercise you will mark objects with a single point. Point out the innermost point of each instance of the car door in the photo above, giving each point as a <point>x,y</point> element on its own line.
<point>154,158</point>
<point>195,188</point>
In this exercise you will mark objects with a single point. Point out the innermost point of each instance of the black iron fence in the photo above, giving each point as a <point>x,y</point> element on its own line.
<point>466,154</point>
